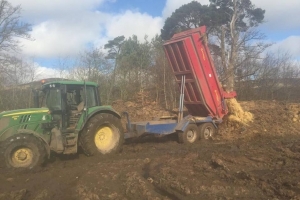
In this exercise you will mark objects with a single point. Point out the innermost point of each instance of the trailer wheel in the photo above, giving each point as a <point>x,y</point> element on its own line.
<point>207,131</point>
<point>103,134</point>
<point>23,151</point>
<point>189,135</point>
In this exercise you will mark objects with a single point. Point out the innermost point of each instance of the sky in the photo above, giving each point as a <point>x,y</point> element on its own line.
<point>62,29</point>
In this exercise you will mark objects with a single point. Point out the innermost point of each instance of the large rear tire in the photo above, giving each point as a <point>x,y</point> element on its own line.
<point>24,151</point>
<point>189,135</point>
<point>102,135</point>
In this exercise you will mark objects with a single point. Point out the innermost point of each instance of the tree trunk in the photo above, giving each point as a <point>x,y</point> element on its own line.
<point>233,49</point>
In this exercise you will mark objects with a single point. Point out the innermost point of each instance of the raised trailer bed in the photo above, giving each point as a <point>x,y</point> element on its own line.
<point>189,56</point>
<point>201,93</point>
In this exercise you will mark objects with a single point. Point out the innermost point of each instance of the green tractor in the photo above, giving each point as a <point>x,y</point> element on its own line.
<point>70,115</point>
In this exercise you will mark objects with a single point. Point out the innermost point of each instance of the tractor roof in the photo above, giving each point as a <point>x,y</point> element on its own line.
<point>72,83</point>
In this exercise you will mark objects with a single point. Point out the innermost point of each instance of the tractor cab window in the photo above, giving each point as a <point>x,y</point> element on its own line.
<point>73,96</point>
<point>91,97</point>
<point>53,99</point>
<point>76,95</point>
<point>76,100</point>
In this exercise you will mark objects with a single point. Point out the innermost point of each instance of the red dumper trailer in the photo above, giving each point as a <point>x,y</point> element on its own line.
<point>201,93</point>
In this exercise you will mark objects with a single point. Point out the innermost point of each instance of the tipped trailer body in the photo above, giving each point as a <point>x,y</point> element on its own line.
<point>201,92</point>
<point>189,56</point>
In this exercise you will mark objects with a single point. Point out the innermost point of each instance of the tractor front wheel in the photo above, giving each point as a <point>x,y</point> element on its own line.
<point>23,151</point>
<point>103,134</point>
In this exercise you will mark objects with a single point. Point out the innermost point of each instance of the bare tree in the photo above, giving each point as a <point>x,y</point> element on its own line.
<point>277,78</point>
<point>239,40</point>
<point>64,66</point>
<point>11,29</point>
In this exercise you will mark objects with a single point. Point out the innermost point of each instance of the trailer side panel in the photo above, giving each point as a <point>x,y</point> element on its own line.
<point>189,55</point>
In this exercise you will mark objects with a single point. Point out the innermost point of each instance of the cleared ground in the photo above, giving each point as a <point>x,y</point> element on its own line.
<point>259,161</point>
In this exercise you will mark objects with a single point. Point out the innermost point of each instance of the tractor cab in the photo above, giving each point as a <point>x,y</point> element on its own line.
<point>68,100</point>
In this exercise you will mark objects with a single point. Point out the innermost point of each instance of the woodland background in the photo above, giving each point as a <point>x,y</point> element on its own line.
<point>128,68</point>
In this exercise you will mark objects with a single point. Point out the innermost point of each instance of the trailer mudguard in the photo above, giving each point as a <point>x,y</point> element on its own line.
<point>184,123</point>
<point>181,126</point>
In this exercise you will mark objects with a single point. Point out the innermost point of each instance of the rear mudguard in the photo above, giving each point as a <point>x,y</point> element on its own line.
<point>92,112</point>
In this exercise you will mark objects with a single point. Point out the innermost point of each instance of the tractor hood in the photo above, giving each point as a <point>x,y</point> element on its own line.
<point>29,119</point>
<point>28,111</point>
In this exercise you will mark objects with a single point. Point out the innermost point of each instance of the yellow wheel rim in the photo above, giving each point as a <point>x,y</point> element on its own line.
<point>22,157</point>
<point>104,139</point>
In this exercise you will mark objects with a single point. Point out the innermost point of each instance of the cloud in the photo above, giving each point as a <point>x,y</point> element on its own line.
<point>129,23</point>
<point>38,11</point>
<point>280,15</point>
<point>288,45</point>
<point>60,28</point>
<point>64,37</point>
<point>64,28</point>
<point>44,72</point>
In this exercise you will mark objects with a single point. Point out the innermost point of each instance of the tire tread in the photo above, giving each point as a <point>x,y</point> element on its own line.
<point>86,138</point>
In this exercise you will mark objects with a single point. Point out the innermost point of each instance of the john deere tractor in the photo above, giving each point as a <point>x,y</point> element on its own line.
<point>70,116</point>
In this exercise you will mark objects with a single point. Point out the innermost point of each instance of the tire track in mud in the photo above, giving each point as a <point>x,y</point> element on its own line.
<point>263,168</point>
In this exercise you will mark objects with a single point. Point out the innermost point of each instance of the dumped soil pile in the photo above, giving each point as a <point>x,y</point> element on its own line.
<point>256,161</point>
<point>140,112</point>
<point>236,114</point>
<point>269,118</point>
<point>141,109</point>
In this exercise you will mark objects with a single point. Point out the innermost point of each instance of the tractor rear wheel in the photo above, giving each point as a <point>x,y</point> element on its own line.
<point>102,135</point>
<point>23,151</point>
<point>207,131</point>
<point>189,135</point>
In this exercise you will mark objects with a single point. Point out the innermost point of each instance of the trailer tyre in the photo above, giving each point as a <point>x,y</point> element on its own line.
<point>207,131</point>
<point>23,151</point>
<point>102,135</point>
<point>189,135</point>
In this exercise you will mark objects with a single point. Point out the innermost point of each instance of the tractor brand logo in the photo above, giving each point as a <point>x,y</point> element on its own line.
<point>44,118</point>
<point>15,117</point>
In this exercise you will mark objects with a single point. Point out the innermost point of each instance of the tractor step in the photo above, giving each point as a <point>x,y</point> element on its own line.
<point>70,143</point>
<point>70,139</point>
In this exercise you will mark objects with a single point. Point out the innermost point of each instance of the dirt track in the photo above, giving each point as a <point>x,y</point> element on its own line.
<point>256,162</point>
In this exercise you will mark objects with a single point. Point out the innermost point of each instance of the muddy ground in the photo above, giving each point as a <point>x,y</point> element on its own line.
<point>259,161</point>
